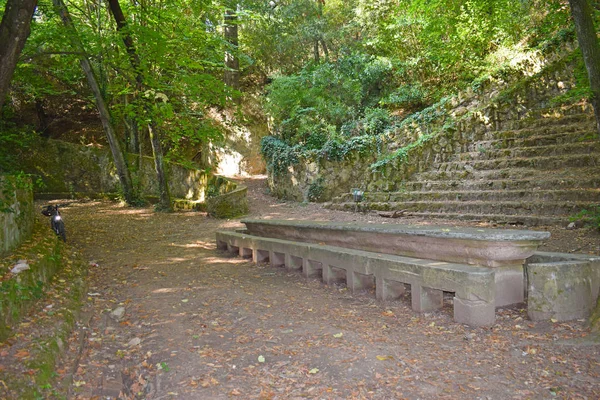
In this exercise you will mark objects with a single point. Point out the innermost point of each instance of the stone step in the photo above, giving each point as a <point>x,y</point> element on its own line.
<point>542,181</point>
<point>586,195</point>
<point>561,209</point>
<point>569,134</point>
<point>548,119</point>
<point>541,163</point>
<point>527,220</point>
<point>502,219</point>
<point>507,174</point>
<point>485,153</point>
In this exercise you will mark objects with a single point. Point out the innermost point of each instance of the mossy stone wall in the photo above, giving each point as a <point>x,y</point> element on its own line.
<point>469,116</point>
<point>16,212</point>
<point>74,170</point>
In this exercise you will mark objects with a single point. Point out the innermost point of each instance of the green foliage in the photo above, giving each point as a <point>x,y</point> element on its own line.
<point>589,217</point>
<point>278,154</point>
<point>315,189</point>
<point>582,88</point>
<point>312,106</point>
<point>180,66</point>
<point>14,141</point>
<point>9,184</point>
<point>402,153</point>
<point>409,96</point>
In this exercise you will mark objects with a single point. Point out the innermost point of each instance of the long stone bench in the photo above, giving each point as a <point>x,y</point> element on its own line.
<point>474,287</point>
<point>503,250</point>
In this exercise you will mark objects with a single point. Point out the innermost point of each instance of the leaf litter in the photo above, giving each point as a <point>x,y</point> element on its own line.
<point>237,312</point>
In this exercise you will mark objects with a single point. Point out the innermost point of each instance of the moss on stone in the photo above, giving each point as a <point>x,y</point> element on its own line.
<point>63,274</point>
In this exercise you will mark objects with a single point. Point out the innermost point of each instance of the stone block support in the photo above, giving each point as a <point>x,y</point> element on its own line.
<point>510,285</point>
<point>560,290</point>
<point>312,269</point>
<point>356,281</point>
<point>474,312</point>
<point>293,262</point>
<point>333,275</point>
<point>426,299</point>
<point>221,245</point>
<point>259,256</point>
<point>388,290</point>
<point>245,252</point>
<point>277,259</point>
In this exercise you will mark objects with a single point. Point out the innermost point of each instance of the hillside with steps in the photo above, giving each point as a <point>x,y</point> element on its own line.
<point>542,173</point>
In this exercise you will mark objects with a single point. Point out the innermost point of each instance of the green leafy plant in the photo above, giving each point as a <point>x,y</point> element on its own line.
<point>315,189</point>
<point>589,217</point>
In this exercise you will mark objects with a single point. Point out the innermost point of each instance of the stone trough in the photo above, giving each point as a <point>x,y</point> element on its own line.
<point>484,268</point>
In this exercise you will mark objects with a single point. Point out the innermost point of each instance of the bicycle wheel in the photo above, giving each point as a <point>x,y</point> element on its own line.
<point>59,228</point>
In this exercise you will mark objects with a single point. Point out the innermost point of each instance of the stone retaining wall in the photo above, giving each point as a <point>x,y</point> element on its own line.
<point>469,116</point>
<point>16,212</point>
<point>70,170</point>
<point>75,170</point>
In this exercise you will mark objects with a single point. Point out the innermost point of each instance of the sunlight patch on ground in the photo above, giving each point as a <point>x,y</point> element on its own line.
<point>218,260</point>
<point>198,244</point>
<point>176,260</point>
<point>232,224</point>
<point>142,212</point>
<point>167,290</point>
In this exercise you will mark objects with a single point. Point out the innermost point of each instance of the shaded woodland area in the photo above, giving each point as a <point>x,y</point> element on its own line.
<point>159,83</point>
<point>329,73</point>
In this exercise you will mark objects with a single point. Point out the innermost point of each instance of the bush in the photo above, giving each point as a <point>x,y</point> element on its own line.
<point>589,217</point>
<point>410,96</point>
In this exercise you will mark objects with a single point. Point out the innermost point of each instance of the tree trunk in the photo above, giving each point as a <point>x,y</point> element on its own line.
<point>42,118</point>
<point>134,59</point>
<point>232,63</point>
<point>14,30</point>
<point>164,203</point>
<point>588,43</point>
<point>105,118</point>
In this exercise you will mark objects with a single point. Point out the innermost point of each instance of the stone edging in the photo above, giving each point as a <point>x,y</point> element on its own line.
<point>54,311</point>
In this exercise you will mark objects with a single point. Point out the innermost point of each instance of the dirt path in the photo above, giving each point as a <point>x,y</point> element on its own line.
<point>201,324</point>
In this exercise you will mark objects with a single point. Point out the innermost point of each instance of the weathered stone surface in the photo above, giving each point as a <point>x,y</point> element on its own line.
<point>228,205</point>
<point>80,171</point>
<point>488,247</point>
<point>360,270</point>
<point>562,286</point>
<point>425,299</point>
<point>474,312</point>
<point>16,224</point>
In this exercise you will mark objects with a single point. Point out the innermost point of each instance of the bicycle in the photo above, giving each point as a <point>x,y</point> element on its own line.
<point>56,222</point>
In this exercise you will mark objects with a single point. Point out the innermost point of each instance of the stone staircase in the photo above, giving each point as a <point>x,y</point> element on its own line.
<point>541,173</point>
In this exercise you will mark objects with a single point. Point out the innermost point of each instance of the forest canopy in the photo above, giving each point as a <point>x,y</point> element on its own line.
<point>327,70</point>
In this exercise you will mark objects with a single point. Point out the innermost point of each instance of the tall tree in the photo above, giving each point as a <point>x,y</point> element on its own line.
<point>105,118</point>
<point>134,59</point>
<point>231,34</point>
<point>588,43</point>
<point>14,30</point>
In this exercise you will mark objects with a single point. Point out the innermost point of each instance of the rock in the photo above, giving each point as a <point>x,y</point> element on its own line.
<point>118,313</point>
<point>20,266</point>
<point>134,342</point>
<point>575,225</point>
